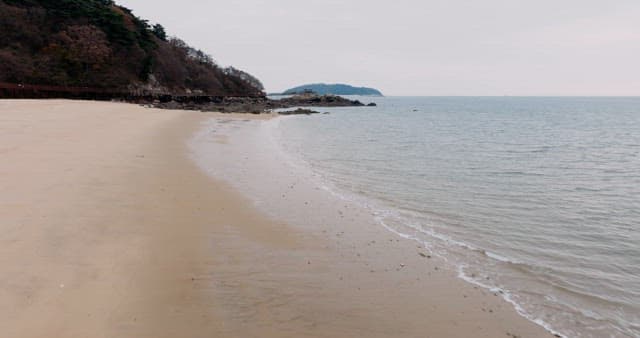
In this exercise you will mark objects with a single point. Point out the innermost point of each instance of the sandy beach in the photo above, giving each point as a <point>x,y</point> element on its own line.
<point>108,228</point>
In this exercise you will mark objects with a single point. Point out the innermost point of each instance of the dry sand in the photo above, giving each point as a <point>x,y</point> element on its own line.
<point>107,229</point>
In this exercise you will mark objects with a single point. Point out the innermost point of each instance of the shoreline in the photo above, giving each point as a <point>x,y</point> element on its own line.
<point>351,229</point>
<point>110,229</point>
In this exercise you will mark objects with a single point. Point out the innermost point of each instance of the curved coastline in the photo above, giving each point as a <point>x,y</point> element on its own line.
<point>355,152</point>
<point>387,266</point>
<point>425,239</point>
<point>139,242</point>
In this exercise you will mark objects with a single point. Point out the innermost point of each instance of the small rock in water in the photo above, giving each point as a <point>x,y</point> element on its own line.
<point>299,111</point>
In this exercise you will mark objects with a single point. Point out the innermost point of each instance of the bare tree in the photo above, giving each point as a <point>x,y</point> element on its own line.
<point>246,77</point>
<point>84,45</point>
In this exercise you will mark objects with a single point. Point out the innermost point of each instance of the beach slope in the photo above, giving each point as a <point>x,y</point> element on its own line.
<point>108,229</point>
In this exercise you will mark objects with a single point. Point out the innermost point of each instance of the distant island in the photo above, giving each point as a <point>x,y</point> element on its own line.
<point>333,89</point>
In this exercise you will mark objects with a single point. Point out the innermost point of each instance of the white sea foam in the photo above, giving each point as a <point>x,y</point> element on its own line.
<point>381,213</point>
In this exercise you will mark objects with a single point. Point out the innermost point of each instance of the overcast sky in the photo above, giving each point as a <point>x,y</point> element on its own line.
<point>418,47</point>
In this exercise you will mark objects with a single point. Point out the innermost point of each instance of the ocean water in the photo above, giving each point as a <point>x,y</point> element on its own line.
<point>535,198</point>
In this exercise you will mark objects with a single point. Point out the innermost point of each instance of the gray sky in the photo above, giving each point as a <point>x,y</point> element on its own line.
<point>413,47</point>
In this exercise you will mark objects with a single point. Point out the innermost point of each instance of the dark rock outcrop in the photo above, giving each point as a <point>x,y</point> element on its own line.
<point>255,105</point>
<point>299,111</point>
<point>313,100</point>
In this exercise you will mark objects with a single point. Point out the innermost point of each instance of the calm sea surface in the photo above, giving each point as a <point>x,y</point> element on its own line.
<point>538,198</point>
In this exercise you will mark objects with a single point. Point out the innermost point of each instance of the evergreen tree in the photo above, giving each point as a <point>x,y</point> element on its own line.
<point>158,30</point>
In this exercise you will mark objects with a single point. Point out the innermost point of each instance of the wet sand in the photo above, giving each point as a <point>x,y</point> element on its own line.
<point>109,229</point>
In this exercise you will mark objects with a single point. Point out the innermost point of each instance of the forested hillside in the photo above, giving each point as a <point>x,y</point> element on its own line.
<point>98,44</point>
